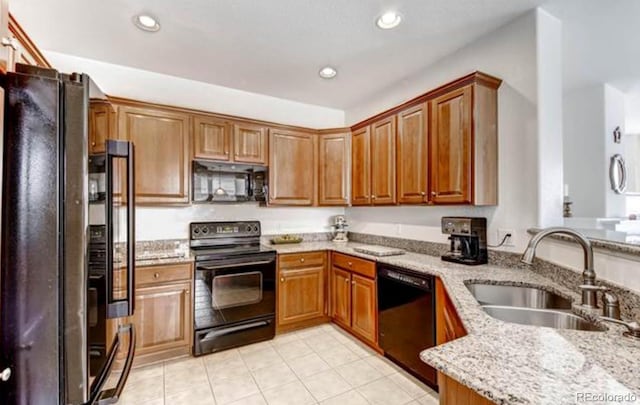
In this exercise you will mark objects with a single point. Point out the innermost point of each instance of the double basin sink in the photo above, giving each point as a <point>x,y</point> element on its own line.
<point>529,306</point>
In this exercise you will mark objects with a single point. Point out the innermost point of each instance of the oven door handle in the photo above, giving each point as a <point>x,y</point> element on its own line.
<point>226,266</point>
<point>227,331</point>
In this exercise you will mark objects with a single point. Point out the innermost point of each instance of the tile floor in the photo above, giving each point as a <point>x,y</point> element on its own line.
<point>317,365</point>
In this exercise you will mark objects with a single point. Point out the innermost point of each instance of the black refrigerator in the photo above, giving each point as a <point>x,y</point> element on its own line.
<point>54,306</point>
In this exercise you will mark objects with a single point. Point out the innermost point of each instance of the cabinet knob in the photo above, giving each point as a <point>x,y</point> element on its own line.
<point>353,282</point>
<point>187,292</point>
<point>5,374</point>
<point>422,193</point>
<point>302,260</point>
<point>156,275</point>
<point>226,153</point>
<point>282,279</point>
<point>9,42</point>
<point>433,193</point>
<point>373,197</point>
<point>346,280</point>
<point>350,264</point>
<point>93,144</point>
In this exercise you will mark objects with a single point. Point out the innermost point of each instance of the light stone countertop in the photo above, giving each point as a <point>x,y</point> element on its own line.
<point>510,363</point>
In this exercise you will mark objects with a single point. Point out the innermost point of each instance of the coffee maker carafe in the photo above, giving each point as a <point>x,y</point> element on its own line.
<point>468,240</point>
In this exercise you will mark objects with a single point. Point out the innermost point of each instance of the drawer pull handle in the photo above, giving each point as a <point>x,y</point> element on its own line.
<point>282,279</point>
<point>156,275</point>
<point>350,264</point>
<point>302,260</point>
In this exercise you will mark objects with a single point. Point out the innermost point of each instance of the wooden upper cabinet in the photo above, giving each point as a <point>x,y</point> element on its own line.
<point>463,147</point>
<point>102,125</point>
<point>412,157</point>
<point>361,166</point>
<point>451,147</point>
<point>333,169</point>
<point>250,144</point>
<point>211,138</point>
<point>292,167</point>
<point>161,140</point>
<point>22,48</point>
<point>383,161</point>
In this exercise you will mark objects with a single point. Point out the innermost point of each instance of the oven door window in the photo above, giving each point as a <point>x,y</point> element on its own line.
<point>236,290</point>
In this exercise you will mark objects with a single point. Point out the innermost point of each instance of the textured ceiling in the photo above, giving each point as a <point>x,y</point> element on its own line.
<point>273,47</point>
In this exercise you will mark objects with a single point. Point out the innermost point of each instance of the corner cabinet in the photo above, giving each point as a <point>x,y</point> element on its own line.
<point>373,164</point>
<point>301,290</point>
<point>292,167</point>
<point>354,296</point>
<point>463,144</point>
<point>161,138</point>
<point>333,169</point>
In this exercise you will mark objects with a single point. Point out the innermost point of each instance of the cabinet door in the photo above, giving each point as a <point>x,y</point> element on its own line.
<point>211,139</point>
<point>361,167</point>
<point>363,308</point>
<point>300,295</point>
<point>292,168</point>
<point>412,155</point>
<point>341,296</point>
<point>450,147</point>
<point>333,169</point>
<point>383,161</point>
<point>448,324</point>
<point>250,144</point>
<point>161,140</point>
<point>100,126</point>
<point>162,317</point>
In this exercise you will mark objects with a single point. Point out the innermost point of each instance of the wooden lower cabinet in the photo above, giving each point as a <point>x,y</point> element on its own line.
<point>354,296</point>
<point>451,392</point>
<point>301,290</point>
<point>163,314</point>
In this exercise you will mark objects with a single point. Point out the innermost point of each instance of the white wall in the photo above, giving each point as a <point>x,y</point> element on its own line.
<point>173,223</point>
<point>122,81</point>
<point>510,54</point>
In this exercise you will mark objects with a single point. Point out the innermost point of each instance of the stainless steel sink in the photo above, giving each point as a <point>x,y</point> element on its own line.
<point>517,296</point>
<point>541,317</point>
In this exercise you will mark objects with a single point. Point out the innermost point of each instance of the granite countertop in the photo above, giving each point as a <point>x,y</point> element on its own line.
<point>510,363</point>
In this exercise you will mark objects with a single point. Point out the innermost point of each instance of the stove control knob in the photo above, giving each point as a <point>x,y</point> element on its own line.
<point>205,230</point>
<point>196,231</point>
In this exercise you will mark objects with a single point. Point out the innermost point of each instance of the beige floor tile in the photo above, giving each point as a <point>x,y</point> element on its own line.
<point>274,376</point>
<point>358,373</point>
<point>410,385</point>
<point>384,392</point>
<point>145,372</point>
<point>352,397</point>
<point>255,399</point>
<point>429,399</point>
<point>223,356</point>
<point>233,389</point>
<point>321,342</point>
<point>338,355</point>
<point>183,363</point>
<point>192,395</point>
<point>256,360</point>
<point>326,385</point>
<point>147,389</point>
<point>291,350</point>
<point>308,332</point>
<point>255,347</point>
<point>284,338</point>
<point>226,366</point>
<point>308,365</point>
<point>360,349</point>
<point>157,401</point>
<point>175,381</point>
<point>293,393</point>
<point>383,365</point>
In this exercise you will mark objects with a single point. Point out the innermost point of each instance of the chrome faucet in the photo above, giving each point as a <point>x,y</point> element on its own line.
<point>589,296</point>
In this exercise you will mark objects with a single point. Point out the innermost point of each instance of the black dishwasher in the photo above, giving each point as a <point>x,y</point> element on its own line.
<point>406,319</point>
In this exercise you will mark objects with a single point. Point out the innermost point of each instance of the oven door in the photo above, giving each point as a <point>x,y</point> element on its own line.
<point>229,291</point>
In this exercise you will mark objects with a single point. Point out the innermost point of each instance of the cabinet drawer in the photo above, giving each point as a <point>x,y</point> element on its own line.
<point>162,274</point>
<point>354,264</point>
<point>297,260</point>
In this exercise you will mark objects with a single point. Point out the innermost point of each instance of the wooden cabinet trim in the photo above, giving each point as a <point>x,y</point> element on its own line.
<point>27,43</point>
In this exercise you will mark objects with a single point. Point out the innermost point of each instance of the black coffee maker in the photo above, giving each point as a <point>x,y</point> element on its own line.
<point>468,240</point>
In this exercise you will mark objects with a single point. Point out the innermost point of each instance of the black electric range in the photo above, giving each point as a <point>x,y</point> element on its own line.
<point>234,300</point>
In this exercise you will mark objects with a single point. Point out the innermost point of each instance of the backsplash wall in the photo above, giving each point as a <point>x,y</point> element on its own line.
<point>173,223</point>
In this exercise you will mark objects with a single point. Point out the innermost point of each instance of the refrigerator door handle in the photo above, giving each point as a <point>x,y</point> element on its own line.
<point>120,150</point>
<point>111,396</point>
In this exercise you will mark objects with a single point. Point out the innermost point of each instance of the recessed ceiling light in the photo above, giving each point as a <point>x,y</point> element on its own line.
<point>389,20</point>
<point>146,23</point>
<point>328,72</point>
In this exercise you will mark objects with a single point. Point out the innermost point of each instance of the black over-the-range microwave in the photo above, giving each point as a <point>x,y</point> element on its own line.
<point>215,182</point>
